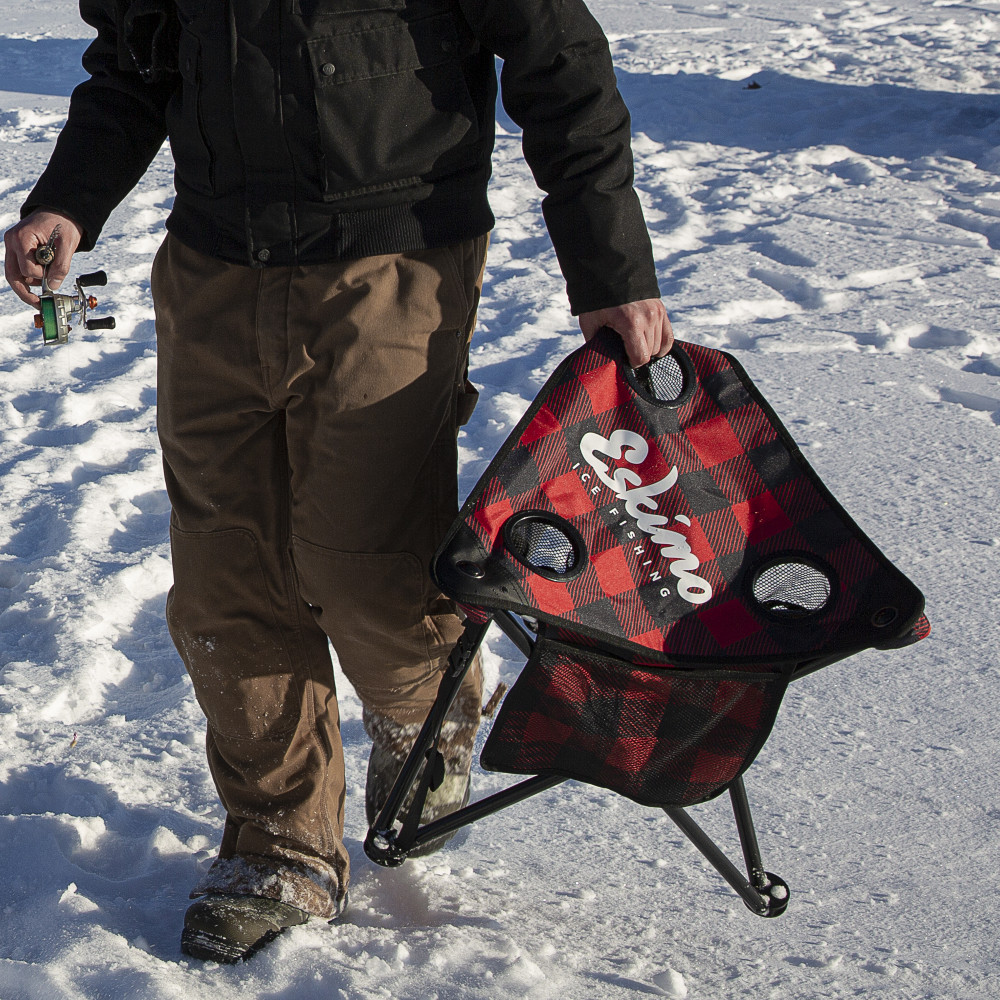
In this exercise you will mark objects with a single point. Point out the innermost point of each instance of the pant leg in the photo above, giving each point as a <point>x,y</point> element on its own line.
<point>375,400</point>
<point>327,398</point>
<point>258,660</point>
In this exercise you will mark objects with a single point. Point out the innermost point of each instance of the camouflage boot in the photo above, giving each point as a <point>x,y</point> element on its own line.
<point>391,743</point>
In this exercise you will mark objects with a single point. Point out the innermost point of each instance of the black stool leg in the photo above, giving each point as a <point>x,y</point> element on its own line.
<point>384,844</point>
<point>763,893</point>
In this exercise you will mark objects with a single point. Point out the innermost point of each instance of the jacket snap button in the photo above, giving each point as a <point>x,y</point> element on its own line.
<point>328,69</point>
<point>264,255</point>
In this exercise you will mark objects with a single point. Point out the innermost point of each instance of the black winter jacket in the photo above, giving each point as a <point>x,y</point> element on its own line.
<point>310,130</point>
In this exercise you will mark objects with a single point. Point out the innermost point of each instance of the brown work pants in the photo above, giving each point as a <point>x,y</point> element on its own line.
<point>308,419</point>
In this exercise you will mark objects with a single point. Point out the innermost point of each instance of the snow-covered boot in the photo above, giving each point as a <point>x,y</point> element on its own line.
<point>391,743</point>
<point>222,928</point>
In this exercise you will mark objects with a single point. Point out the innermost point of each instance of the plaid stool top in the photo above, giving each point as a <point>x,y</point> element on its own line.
<point>682,560</point>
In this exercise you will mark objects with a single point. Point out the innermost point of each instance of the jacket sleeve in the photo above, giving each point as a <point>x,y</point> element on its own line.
<point>558,84</point>
<point>116,125</point>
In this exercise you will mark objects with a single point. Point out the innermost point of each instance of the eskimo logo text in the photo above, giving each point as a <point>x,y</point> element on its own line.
<point>640,504</point>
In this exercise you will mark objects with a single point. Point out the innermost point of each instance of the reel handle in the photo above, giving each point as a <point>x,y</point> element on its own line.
<point>94,278</point>
<point>104,323</point>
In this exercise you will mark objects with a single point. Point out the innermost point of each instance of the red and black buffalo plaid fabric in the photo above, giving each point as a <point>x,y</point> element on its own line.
<point>682,560</point>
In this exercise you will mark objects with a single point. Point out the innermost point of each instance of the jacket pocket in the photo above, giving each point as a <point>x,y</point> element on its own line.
<point>392,105</point>
<point>189,143</point>
<point>151,32</point>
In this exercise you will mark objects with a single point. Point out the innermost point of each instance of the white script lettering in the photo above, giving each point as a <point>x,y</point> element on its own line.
<point>640,503</point>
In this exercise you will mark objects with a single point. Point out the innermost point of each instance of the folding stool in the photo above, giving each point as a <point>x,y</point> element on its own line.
<point>657,547</point>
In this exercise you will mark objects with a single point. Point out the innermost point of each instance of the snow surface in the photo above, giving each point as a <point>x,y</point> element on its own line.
<point>838,229</point>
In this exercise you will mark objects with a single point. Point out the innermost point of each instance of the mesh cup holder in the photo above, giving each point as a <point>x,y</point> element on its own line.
<point>792,587</point>
<point>665,378</point>
<point>546,544</point>
<point>666,381</point>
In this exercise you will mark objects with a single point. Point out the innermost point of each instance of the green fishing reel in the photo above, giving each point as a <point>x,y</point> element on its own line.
<point>57,309</point>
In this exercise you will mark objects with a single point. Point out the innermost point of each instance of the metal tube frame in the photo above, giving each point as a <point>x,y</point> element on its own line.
<point>763,892</point>
<point>385,844</point>
<point>390,840</point>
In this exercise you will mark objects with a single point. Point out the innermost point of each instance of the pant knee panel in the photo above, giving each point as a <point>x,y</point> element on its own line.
<point>223,623</point>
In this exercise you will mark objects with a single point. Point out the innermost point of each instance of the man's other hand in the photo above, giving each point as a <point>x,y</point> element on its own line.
<point>20,267</point>
<point>643,326</point>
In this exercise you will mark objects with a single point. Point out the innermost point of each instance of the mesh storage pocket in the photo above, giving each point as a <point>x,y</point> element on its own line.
<point>660,736</point>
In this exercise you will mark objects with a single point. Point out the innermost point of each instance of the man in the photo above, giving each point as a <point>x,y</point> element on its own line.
<point>315,297</point>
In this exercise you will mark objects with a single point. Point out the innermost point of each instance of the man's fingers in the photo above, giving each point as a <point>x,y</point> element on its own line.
<point>14,269</point>
<point>58,269</point>
<point>638,347</point>
<point>22,269</point>
<point>643,326</point>
<point>664,338</point>
<point>23,240</point>
<point>66,242</point>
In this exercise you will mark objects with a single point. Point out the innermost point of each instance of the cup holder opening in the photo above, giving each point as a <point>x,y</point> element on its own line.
<point>546,544</point>
<point>791,588</point>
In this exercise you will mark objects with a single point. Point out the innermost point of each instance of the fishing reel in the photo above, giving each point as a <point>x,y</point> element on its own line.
<point>57,309</point>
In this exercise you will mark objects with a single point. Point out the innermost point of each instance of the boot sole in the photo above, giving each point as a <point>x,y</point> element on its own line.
<point>214,948</point>
<point>208,947</point>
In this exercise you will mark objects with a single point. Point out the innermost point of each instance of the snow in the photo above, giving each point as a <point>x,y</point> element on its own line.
<point>837,229</point>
